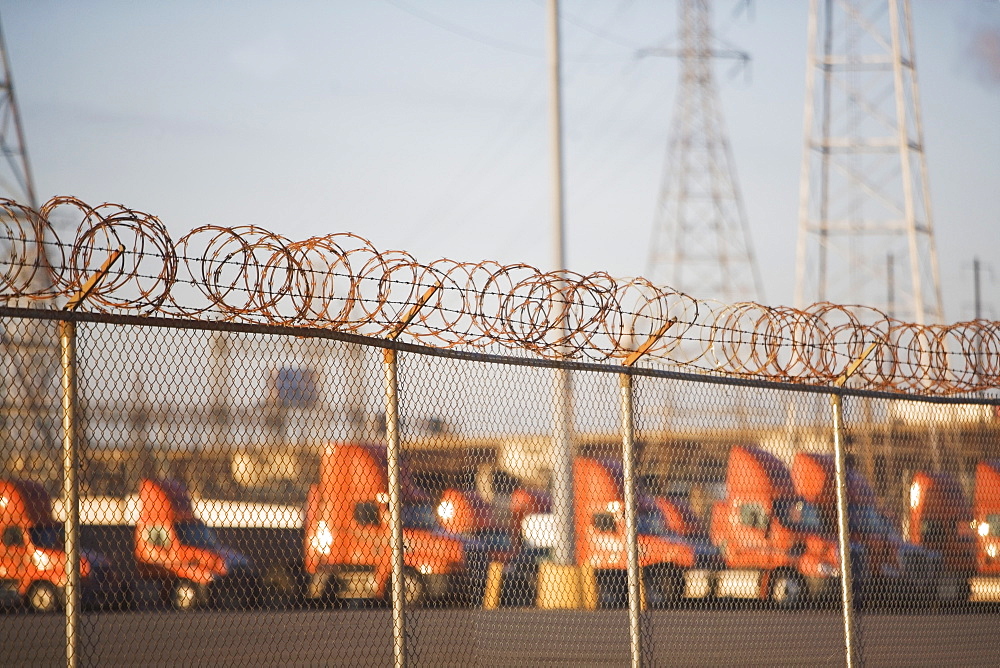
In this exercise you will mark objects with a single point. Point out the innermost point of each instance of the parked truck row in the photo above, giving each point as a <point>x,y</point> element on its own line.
<point>772,537</point>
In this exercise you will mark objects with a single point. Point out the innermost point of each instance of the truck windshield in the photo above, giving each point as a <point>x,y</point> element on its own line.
<point>419,516</point>
<point>798,514</point>
<point>196,534</point>
<point>50,537</point>
<point>495,539</point>
<point>650,523</point>
<point>867,520</point>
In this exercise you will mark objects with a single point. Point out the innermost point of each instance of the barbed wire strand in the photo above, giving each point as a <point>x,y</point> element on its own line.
<point>342,282</point>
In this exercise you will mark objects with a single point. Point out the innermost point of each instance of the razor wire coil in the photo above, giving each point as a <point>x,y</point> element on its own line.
<point>342,282</point>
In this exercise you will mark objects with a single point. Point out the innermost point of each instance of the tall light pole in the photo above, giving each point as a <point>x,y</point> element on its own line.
<point>562,422</point>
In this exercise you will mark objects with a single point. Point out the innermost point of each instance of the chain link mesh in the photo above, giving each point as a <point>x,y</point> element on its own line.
<point>234,509</point>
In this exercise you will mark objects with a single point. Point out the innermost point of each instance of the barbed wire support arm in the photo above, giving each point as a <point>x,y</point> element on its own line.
<point>71,458</point>
<point>395,498</point>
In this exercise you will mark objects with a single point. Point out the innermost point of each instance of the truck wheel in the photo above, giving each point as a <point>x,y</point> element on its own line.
<point>952,589</point>
<point>185,595</point>
<point>281,588</point>
<point>43,597</point>
<point>788,590</point>
<point>666,584</point>
<point>414,590</point>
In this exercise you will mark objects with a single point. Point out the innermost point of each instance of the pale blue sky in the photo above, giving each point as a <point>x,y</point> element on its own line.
<point>422,124</point>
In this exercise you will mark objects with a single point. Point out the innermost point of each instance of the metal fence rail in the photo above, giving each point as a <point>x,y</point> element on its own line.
<point>303,488</point>
<point>341,282</point>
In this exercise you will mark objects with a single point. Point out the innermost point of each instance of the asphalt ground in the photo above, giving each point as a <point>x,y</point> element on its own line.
<point>506,637</point>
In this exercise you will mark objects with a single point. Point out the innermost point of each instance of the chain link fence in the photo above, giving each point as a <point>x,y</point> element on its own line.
<point>234,506</point>
<point>216,487</point>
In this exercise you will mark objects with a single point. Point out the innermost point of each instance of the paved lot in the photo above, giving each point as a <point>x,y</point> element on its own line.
<point>499,638</point>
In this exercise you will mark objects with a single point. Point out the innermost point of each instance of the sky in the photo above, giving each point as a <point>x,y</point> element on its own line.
<point>422,125</point>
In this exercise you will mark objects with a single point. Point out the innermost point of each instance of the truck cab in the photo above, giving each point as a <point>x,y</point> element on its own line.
<point>33,556</point>
<point>895,568</point>
<point>488,533</point>
<point>181,556</point>
<point>987,516</point>
<point>771,539</point>
<point>941,519</point>
<point>495,526</point>
<point>985,585</point>
<point>677,517</point>
<point>347,552</point>
<point>666,560</point>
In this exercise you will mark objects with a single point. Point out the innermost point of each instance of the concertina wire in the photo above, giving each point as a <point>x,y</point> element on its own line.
<point>341,282</point>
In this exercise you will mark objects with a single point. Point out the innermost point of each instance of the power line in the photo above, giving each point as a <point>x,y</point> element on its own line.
<point>486,159</point>
<point>461,31</point>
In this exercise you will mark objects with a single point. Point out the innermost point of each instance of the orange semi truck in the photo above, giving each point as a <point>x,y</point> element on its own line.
<point>466,514</point>
<point>670,564</point>
<point>771,539</point>
<point>33,557</point>
<point>347,550</point>
<point>672,567</point>
<point>985,585</point>
<point>896,568</point>
<point>491,534</point>
<point>180,556</point>
<point>967,535</point>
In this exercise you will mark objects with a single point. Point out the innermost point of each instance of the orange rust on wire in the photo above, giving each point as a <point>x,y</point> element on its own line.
<point>91,283</point>
<point>341,282</point>
<point>408,318</point>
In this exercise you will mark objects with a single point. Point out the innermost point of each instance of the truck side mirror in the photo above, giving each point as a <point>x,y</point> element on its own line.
<point>158,536</point>
<point>367,514</point>
<point>604,522</point>
<point>753,516</point>
<point>13,537</point>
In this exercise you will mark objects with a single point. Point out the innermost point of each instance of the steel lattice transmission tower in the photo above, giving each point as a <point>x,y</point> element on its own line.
<point>16,180</point>
<point>15,177</point>
<point>864,202</point>
<point>701,241</point>
<point>29,354</point>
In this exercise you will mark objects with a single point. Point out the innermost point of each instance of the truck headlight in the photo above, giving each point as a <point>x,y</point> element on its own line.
<point>322,540</point>
<point>41,560</point>
<point>446,510</point>
<point>828,570</point>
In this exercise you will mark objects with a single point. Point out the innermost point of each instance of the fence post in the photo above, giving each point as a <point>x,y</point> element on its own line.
<point>395,498</point>
<point>71,488</point>
<point>628,476</point>
<point>843,529</point>
<point>395,514</point>
<point>71,458</point>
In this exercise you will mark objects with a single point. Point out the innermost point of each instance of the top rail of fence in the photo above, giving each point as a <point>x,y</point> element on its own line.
<point>341,282</point>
